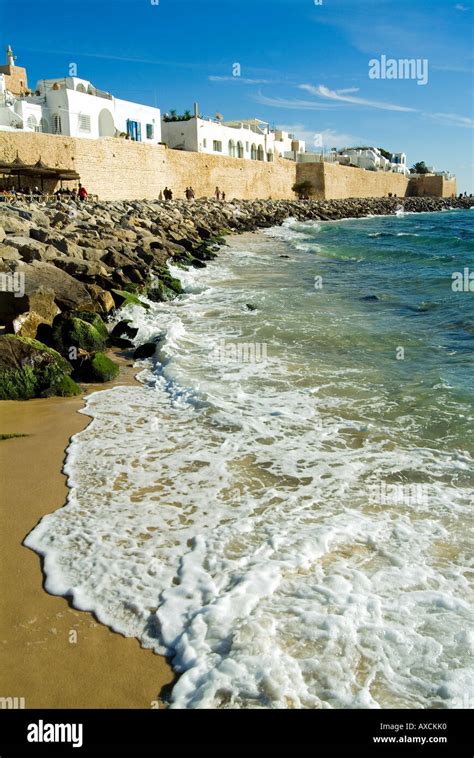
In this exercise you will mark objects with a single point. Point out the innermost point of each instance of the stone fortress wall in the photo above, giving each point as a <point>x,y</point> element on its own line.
<point>117,169</point>
<point>332,181</point>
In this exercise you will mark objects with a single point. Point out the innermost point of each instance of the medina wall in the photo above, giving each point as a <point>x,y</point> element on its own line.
<point>432,185</point>
<point>237,177</point>
<point>333,181</point>
<point>117,169</point>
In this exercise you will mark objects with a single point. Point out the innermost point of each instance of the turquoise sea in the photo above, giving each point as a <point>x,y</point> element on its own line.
<point>284,504</point>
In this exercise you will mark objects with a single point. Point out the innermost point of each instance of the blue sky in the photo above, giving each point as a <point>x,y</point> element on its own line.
<point>303,66</point>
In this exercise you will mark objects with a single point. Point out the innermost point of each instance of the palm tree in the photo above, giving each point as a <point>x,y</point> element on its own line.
<point>419,168</point>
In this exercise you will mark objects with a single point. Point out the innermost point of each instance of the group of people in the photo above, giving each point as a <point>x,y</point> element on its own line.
<point>80,193</point>
<point>189,194</point>
<point>23,191</point>
<point>167,194</point>
<point>35,192</point>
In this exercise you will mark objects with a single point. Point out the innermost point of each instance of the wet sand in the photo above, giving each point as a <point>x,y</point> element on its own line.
<point>52,655</point>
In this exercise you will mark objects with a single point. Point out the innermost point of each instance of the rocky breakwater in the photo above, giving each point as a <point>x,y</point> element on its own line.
<point>66,269</point>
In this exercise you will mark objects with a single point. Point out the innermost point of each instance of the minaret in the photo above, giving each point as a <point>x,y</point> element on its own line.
<point>15,76</point>
<point>10,56</point>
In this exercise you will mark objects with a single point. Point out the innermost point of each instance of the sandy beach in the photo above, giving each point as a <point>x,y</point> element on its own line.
<point>53,655</point>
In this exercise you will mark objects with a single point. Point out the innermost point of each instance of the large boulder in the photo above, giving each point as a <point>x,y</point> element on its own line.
<point>147,350</point>
<point>8,253</point>
<point>68,293</point>
<point>29,249</point>
<point>67,246</point>
<point>44,235</point>
<point>15,301</point>
<point>91,253</point>
<point>123,298</point>
<point>160,293</point>
<point>164,286</point>
<point>122,334</point>
<point>80,269</point>
<point>34,215</point>
<point>103,299</point>
<point>27,324</point>
<point>30,369</point>
<point>98,368</point>
<point>61,218</point>
<point>116,260</point>
<point>79,330</point>
<point>12,223</point>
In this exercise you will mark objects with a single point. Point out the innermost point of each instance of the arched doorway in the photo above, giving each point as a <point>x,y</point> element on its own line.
<point>232,148</point>
<point>106,123</point>
<point>253,152</point>
<point>240,150</point>
<point>260,153</point>
<point>32,123</point>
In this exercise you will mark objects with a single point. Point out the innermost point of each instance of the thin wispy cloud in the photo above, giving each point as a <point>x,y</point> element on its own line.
<point>326,138</point>
<point>281,102</point>
<point>448,119</point>
<point>240,79</point>
<point>329,94</point>
<point>325,92</point>
<point>332,138</point>
<point>74,55</point>
<point>461,7</point>
<point>347,90</point>
<point>451,119</point>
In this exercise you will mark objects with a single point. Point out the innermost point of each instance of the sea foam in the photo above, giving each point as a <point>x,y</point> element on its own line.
<point>226,513</point>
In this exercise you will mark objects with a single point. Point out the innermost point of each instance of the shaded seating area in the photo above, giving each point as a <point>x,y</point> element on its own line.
<point>35,180</point>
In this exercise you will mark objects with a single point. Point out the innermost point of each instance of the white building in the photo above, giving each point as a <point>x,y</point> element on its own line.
<point>399,163</point>
<point>251,139</point>
<point>75,108</point>
<point>16,112</point>
<point>371,159</point>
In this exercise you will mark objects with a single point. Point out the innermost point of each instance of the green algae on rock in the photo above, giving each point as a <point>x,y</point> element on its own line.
<point>29,368</point>
<point>99,368</point>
